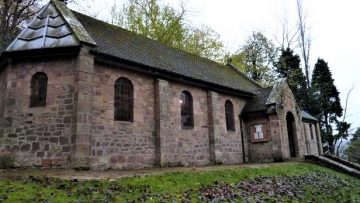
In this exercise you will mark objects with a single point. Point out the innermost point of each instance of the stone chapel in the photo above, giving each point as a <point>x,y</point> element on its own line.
<point>76,92</point>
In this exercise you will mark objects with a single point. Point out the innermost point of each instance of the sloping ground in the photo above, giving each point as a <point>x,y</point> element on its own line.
<point>335,164</point>
<point>295,181</point>
<point>343,161</point>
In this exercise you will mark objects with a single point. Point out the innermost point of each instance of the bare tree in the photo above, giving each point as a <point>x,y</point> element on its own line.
<point>343,126</point>
<point>13,16</point>
<point>289,34</point>
<point>304,39</point>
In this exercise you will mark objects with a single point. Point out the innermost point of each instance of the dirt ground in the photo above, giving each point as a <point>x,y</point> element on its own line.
<point>118,174</point>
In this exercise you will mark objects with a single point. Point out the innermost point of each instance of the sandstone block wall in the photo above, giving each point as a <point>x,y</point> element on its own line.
<point>277,146</point>
<point>77,126</point>
<point>190,146</point>
<point>3,79</point>
<point>312,143</point>
<point>289,105</point>
<point>230,142</point>
<point>4,122</point>
<point>259,151</point>
<point>120,144</point>
<point>276,136</point>
<point>318,138</point>
<point>83,116</point>
<point>209,141</point>
<point>39,136</point>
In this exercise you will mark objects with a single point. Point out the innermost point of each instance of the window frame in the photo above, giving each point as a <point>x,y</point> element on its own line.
<point>38,90</point>
<point>311,131</point>
<point>123,94</point>
<point>186,109</point>
<point>229,116</point>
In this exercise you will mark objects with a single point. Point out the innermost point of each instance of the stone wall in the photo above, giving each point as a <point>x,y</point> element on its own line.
<point>287,105</point>
<point>190,146</point>
<point>209,141</point>
<point>77,125</point>
<point>225,145</point>
<point>318,138</point>
<point>119,144</point>
<point>277,136</point>
<point>84,98</point>
<point>230,143</point>
<point>276,148</point>
<point>40,136</point>
<point>259,151</point>
<point>3,121</point>
<point>3,76</point>
<point>312,145</point>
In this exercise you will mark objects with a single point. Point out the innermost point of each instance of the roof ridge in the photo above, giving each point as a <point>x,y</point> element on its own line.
<point>75,25</point>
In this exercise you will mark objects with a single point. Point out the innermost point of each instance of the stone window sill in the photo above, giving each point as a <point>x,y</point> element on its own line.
<point>231,131</point>
<point>187,128</point>
<point>124,122</point>
<point>259,140</point>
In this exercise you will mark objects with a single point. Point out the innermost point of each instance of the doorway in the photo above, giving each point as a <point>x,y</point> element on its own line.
<point>291,128</point>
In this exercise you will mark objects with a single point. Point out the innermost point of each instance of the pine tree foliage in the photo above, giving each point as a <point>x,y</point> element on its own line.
<point>288,66</point>
<point>325,100</point>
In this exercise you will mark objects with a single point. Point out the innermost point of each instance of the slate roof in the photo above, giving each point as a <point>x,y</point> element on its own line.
<point>53,26</point>
<point>305,115</point>
<point>115,41</point>
<point>48,29</point>
<point>267,96</point>
<point>57,26</point>
<point>259,102</point>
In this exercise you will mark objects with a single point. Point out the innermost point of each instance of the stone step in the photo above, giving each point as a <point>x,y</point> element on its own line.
<point>324,161</point>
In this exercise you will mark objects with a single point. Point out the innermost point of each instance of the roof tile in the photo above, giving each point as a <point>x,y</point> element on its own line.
<point>121,43</point>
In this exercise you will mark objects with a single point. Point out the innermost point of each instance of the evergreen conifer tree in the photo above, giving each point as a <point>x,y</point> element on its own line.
<point>326,100</point>
<point>288,65</point>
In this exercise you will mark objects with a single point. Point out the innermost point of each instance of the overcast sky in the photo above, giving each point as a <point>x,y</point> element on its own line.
<point>334,27</point>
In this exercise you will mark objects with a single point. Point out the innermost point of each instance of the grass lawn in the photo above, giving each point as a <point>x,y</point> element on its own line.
<point>290,182</point>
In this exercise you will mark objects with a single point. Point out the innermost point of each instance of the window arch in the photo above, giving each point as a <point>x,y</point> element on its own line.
<point>124,100</point>
<point>187,114</point>
<point>229,115</point>
<point>39,83</point>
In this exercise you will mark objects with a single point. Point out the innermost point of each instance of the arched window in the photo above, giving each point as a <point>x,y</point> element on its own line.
<point>229,115</point>
<point>38,90</point>
<point>124,100</point>
<point>187,115</point>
